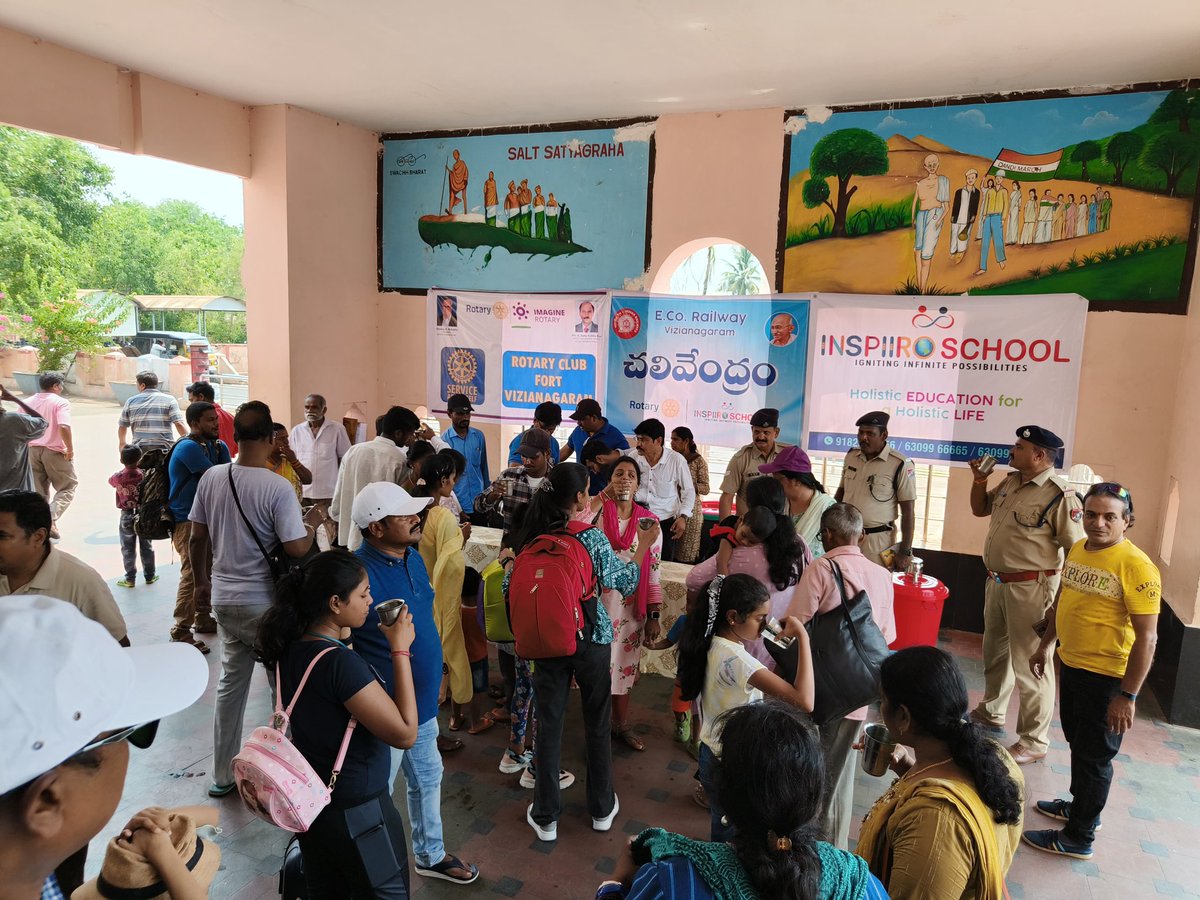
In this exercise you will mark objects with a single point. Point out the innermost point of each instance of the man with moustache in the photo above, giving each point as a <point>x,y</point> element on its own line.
<point>764,446</point>
<point>320,445</point>
<point>882,484</point>
<point>1036,518</point>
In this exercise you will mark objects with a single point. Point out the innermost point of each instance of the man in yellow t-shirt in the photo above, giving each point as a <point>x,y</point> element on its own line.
<point>1105,620</point>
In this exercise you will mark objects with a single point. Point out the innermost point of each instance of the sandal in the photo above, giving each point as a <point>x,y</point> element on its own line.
<point>700,797</point>
<point>486,721</point>
<point>448,864</point>
<point>448,745</point>
<point>456,722</point>
<point>625,734</point>
<point>501,715</point>
<point>195,642</point>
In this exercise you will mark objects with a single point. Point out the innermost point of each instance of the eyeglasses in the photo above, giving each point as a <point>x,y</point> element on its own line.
<point>1113,489</point>
<point>141,736</point>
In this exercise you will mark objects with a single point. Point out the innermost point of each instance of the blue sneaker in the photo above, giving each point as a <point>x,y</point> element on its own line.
<point>1058,809</point>
<point>1051,841</point>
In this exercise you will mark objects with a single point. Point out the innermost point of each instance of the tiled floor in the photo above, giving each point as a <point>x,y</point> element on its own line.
<point>1150,844</point>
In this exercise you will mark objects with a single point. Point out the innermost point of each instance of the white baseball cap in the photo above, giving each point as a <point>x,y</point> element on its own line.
<point>381,499</point>
<point>64,680</point>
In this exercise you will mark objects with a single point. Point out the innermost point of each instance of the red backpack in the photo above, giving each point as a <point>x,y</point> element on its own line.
<point>552,594</point>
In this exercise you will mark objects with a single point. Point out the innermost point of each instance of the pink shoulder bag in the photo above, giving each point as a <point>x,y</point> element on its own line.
<point>274,779</point>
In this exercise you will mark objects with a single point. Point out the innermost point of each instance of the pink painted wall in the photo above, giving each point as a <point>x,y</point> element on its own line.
<point>48,88</point>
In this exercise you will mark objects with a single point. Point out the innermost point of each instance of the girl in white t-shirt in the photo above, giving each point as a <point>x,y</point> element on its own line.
<point>716,670</point>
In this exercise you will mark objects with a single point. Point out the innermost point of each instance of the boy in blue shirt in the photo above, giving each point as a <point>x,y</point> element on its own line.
<point>471,444</point>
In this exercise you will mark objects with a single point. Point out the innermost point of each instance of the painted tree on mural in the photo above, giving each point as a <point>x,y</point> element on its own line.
<point>1173,154</point>
<point>1084,153</point>
<point>842,155</point>
<point>1123,148</point>
<point>1178,107</point>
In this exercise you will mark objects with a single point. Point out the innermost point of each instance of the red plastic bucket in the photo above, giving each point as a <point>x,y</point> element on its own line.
<point>918,607</point>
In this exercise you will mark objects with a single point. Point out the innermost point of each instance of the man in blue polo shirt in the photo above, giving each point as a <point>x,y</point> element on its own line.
<point>470,443</point>
<point>547,416</point>
<point>390,522</point>
<point>591,424</point>
<point>191,458</point>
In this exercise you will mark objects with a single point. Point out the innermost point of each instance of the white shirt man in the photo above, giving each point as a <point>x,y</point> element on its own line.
<point>666,488</point>
<point>320,445</point>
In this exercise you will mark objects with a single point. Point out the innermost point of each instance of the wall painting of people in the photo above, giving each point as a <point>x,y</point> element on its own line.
<point>545,208</point>
<point>1038,194</point>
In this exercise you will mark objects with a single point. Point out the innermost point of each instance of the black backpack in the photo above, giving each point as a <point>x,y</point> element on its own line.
<point>154,519</point>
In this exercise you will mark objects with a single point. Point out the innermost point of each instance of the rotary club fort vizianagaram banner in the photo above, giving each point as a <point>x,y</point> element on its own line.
<point>509,352</point>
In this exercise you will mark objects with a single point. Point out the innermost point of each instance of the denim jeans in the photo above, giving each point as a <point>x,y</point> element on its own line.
<point>131,543</point>
<point>551,688</point>
<point>422,768</point>
<point>719,832</point>
<point>237,629</point>
<point>1083,708</point>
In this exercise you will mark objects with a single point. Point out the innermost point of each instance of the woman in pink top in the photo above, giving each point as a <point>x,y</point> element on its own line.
<point>777,562</point>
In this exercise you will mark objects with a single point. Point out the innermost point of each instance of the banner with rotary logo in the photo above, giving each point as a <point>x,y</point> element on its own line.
<point>957,375</point>
<point>509,352</point>
<point>708,363</point>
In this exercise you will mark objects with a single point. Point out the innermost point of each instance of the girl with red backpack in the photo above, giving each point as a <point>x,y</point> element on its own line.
<point>555,572</point>
<point>356,845</point>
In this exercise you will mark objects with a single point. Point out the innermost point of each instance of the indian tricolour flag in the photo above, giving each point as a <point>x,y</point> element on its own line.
<point>1026,166</point>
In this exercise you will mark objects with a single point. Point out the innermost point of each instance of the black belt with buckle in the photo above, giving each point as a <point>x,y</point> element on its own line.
<point>879,529</point>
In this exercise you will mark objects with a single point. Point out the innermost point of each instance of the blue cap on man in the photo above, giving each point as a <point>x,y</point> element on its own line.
<point>1042,437</point>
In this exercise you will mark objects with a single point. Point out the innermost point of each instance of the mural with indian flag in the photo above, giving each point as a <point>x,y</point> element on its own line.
<point>1093,194</point>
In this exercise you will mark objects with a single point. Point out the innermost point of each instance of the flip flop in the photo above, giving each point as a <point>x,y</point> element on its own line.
<point>626,736</point>
<point>443,869</point>
<point>485,722</point>
<point>501,715</point>
<point>456,723</point>
<point>448,745</point>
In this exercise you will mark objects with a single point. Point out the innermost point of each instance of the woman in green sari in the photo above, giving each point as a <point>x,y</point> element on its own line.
<point>806,497</point>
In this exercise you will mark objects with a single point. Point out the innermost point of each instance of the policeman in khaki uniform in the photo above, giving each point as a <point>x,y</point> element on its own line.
<point>1036,519</point>
<point>882,485</point>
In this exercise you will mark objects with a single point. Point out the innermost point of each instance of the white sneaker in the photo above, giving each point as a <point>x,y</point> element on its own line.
<point>606,823</point>
<point>529,778</point>
<point>511,762</point>
<point>548,833</point>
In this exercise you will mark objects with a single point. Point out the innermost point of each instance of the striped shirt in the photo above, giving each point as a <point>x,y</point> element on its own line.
<point>150,415</point>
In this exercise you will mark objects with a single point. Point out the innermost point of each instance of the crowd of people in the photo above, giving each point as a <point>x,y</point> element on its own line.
<point>290,538</point>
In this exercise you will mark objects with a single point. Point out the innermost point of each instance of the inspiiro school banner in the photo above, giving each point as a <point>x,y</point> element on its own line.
<point>707,363</point>
<point>510,352</point>
<point>958,378</point>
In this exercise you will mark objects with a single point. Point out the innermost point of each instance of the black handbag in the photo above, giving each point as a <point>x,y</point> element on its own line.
<point>847,651</point>
<point>278,560</point>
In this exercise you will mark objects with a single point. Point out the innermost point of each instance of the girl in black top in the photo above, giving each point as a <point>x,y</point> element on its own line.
<point>356,846</point>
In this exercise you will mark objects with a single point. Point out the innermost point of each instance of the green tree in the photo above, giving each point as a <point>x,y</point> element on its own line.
<point>124,250</point>
<point>1178,108</point>
<point>1084,153</point>
<point>1173,153</point>
<point>1122,149</point>
<point>743,274</point>
<point>843,154</point>
<point>56,174</point>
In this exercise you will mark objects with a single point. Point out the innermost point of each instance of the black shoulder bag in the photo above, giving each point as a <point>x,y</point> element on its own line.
<point>278,561</point>
<point>847,651</point>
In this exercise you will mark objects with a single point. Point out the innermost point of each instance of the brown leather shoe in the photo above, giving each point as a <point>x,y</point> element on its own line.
<point>1023,756</point>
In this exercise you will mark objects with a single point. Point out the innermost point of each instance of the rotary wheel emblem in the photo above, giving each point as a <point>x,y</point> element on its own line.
<point>500,309</point>
<point>461,366</point>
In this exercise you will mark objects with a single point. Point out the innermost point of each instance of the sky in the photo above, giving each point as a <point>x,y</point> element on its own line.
<point>152,180</point>
<point>983,129</point>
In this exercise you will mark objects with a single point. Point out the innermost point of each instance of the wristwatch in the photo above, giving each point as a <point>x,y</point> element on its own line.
<point>653,615</point>
<point>1128,696</point>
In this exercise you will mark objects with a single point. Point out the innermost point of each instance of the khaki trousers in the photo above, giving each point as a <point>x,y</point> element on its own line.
<point>187,614</point>
<point>53,469</point>
<point>1009,614</point>
<point>874,544</point>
